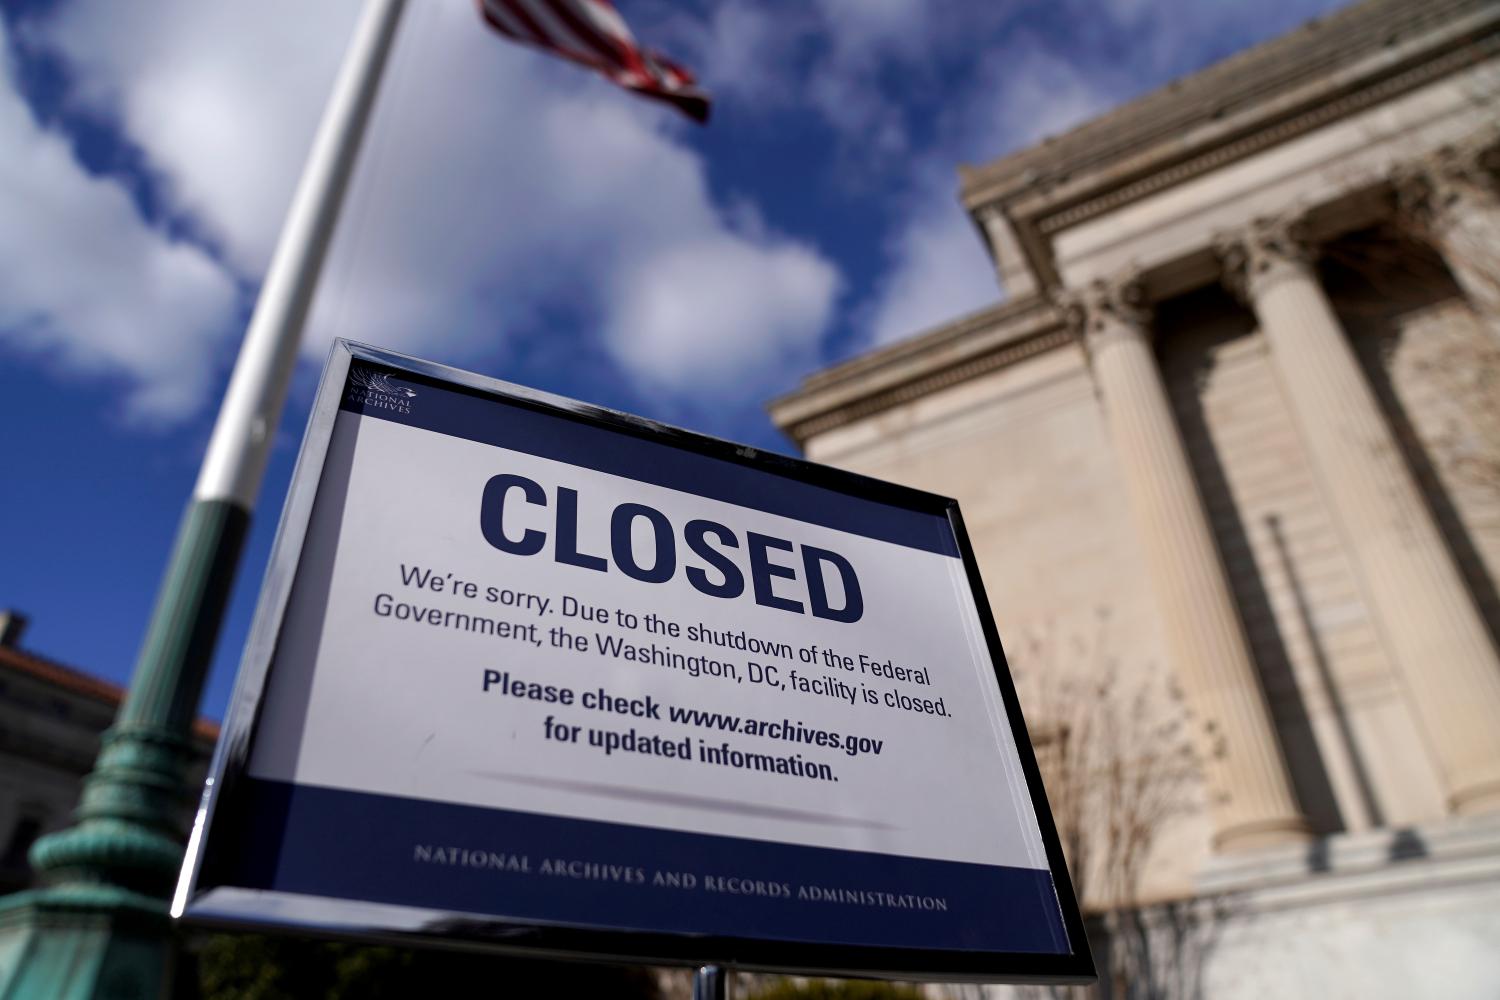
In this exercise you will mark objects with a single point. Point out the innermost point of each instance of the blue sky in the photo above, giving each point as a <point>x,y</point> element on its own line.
<point>511,214</point>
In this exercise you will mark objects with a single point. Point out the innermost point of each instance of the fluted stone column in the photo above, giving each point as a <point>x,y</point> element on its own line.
<point>1441,650</point>
<point>1448,199</point>
<point>1250,795</point>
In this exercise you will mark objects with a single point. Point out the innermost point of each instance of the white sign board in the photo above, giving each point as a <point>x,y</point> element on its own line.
<point>528,666</point>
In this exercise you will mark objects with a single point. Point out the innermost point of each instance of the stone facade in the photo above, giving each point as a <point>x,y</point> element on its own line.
<point>1242,401</point>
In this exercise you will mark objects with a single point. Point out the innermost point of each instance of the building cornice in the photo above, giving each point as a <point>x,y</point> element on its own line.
<point>1355,59</point>
<point>1265,96</point>
<point>1358,43</point>
<point>956,352</point>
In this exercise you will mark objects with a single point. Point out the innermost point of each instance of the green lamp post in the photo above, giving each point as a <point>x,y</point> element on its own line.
<point>100,928</point>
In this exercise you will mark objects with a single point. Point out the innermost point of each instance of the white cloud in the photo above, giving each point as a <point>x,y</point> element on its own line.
<point>867,24</point>
<point>557,189</point>
<point>829,56</point>
<point>1017,88</point>
<point>866,38</point>
<point>496,186</point>
<point>223,98</point>
<point>86,283</point>
<point>721,314</point>
<point>1171,38</point>
<point>939,270</point>
<point>499,187</point>
<point>1026,92</point>
<point>745,49</point>
<point>1013,91</point>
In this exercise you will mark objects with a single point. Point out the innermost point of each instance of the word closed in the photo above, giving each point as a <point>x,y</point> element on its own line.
<point>651,556</point>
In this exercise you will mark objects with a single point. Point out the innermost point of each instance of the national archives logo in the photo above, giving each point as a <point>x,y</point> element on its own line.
<point>375,389</point>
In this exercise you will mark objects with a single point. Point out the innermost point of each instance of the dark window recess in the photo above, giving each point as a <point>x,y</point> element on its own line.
<point>21,839</point>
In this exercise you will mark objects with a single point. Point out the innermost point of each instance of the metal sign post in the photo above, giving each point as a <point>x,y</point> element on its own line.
<point>554,679</point>
<point>709,983</point>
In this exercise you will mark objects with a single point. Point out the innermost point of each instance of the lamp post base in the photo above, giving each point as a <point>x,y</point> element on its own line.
<point>84,942</point>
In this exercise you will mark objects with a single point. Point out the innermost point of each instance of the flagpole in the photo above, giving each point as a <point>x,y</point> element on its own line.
<point>102,924</point>
<point>237,452</point>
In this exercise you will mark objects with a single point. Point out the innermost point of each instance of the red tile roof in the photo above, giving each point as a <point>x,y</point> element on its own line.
<point>78,682</point>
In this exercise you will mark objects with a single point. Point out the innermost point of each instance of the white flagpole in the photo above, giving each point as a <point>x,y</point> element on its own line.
<point>106,921</point>
<point>237,452</point>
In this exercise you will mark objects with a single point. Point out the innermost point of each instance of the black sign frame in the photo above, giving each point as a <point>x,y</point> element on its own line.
<point>213,834</point>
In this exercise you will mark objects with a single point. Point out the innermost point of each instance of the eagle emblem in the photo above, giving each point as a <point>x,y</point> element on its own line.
<point>379,383</point>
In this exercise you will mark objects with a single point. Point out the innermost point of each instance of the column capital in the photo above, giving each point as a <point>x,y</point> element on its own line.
<point>1108,307</point>
<point>1263,252</point>
<point>1435,189</point>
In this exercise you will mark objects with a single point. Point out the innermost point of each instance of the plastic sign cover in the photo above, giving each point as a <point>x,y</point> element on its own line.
<point>540,673</point>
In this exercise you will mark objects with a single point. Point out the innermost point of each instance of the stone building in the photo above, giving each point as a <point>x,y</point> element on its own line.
<point>1242,399</point>
<point>51,719</point>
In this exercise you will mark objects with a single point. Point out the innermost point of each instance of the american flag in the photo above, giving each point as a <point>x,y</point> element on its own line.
<point>591,32</point>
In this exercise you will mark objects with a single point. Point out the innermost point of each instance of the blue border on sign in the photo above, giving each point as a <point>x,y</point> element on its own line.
<point>603,449</point>
<point>380,848</point>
